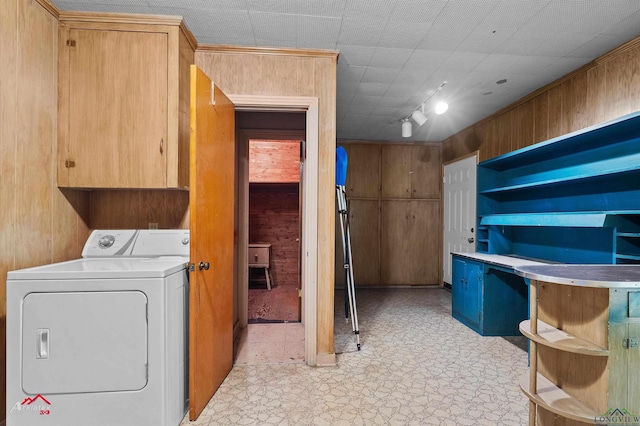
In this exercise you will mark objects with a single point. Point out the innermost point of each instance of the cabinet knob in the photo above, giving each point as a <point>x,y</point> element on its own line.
<point>470,239</point>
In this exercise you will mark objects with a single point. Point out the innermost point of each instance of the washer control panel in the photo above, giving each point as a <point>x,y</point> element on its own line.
<point>114,242</point>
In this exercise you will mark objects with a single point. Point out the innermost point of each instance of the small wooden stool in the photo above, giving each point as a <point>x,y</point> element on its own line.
<point>260,257</point>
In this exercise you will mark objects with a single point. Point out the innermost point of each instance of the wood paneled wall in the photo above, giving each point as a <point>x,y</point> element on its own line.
<point>604,89</point>
<point>39,223</point>
<point>257,71</point>
<point>272,161</point>
<point>274,218</point>
<point>138,209</point>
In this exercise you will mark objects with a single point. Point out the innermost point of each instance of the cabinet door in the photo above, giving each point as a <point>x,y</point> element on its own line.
<point>425,172</point>
<point>396,168</point>
<point>363,171</point>
<point>117,109</point>
<point>466,290</point>
<point>365,241</point>
<point>411,171</point>
<point>409,242</point>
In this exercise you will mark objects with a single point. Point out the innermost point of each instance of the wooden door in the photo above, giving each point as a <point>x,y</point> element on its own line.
<point>122,74</point>
<point>212,223</point>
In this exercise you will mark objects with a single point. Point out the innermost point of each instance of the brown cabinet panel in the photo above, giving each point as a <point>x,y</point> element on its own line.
<point>363,171</point>
<point>122,114</point>
<point>396,167</point>
<point>426,175</point>
<point>364,221</point>
<point>411,171</point>
<point>410,242</point>
<point>117,108</point>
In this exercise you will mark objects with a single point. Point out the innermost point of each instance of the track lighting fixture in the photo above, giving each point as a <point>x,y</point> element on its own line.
<point>406,128</point>
<point>419,114</point>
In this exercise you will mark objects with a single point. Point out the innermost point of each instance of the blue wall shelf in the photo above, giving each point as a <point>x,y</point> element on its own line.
<point>571,199</point>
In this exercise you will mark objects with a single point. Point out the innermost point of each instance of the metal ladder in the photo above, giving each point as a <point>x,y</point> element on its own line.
<point>341,194</point>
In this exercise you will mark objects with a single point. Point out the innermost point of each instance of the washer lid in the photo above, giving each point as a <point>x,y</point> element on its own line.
<point>103,268</point>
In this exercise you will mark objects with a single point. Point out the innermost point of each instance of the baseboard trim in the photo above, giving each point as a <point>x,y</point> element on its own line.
<point>326,360</point>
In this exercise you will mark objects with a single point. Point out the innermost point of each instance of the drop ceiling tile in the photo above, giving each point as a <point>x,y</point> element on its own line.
<point>402,90</point>
<point>543,43</point>
<point>322,8</point>
<point>424,11</point>
<point>385,57</point>
<point>581,16</point>
<point>352,73</point>
<point>411,76</point>
<point>386,111</point>
<point>379,75</point>
<point>274,26</point>
<point>200,4</point>
<point>463,14</point>
<point>599,45</point>
<point>319,30</point>
<point>426,60</point>
<point>394,102</point>
<point>229,24</point>
<point>462,61</point>
<point>627,26</point>
<point>365,101</point>
<point>513,14</point>
<point>273,6</point>
<point>362,33</point>
<point>372,89</point>
<point>485,39</point>
<point>368,10</point>
<point>403,35</point>
<point>355,55</point>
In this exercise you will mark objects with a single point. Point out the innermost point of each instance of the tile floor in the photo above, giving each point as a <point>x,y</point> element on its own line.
<point>417,366</point>
<point>269,344</point>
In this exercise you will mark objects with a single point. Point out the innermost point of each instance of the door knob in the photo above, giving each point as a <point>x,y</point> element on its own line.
<point>470,239</point>
<point>203,265</point>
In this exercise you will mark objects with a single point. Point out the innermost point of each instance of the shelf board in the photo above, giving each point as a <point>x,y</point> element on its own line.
<point>627,256</point>
<point>624,127</point>
<point>563,219</point>
<point>554,399</point>
<point>559,339</point>
<point>628,234</point>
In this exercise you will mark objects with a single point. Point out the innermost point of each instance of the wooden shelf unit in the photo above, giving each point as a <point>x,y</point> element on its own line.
<point>583,329</point>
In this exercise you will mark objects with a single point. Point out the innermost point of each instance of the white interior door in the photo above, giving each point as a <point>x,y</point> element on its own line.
<point>459,210</point>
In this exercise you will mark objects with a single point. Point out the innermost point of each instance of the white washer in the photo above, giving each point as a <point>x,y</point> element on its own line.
<point>101,340</point>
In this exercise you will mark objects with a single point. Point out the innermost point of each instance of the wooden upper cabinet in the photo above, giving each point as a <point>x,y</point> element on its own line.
<point>411,171</point>
<point>363,171</point>
<point>123,105</point>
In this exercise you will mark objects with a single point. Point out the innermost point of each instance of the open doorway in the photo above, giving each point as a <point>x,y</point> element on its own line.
<point>274,231</point>
<point>268,205</point>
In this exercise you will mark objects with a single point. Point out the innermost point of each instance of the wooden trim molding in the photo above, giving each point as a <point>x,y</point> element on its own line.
<point>188,35</point>
<point>49,7</point>
<point>119,18</point>
<point>315,53</point>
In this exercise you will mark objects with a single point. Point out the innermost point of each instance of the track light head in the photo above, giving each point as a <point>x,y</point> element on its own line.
<point>406,128</point>
<point>419,117</point>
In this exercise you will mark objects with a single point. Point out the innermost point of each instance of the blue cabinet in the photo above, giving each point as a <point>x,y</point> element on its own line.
<point>466,290</point>
<point>488,298</point>
<point>571,199</point>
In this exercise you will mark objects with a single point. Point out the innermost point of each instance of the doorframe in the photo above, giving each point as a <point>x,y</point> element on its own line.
<point>308,215</point>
